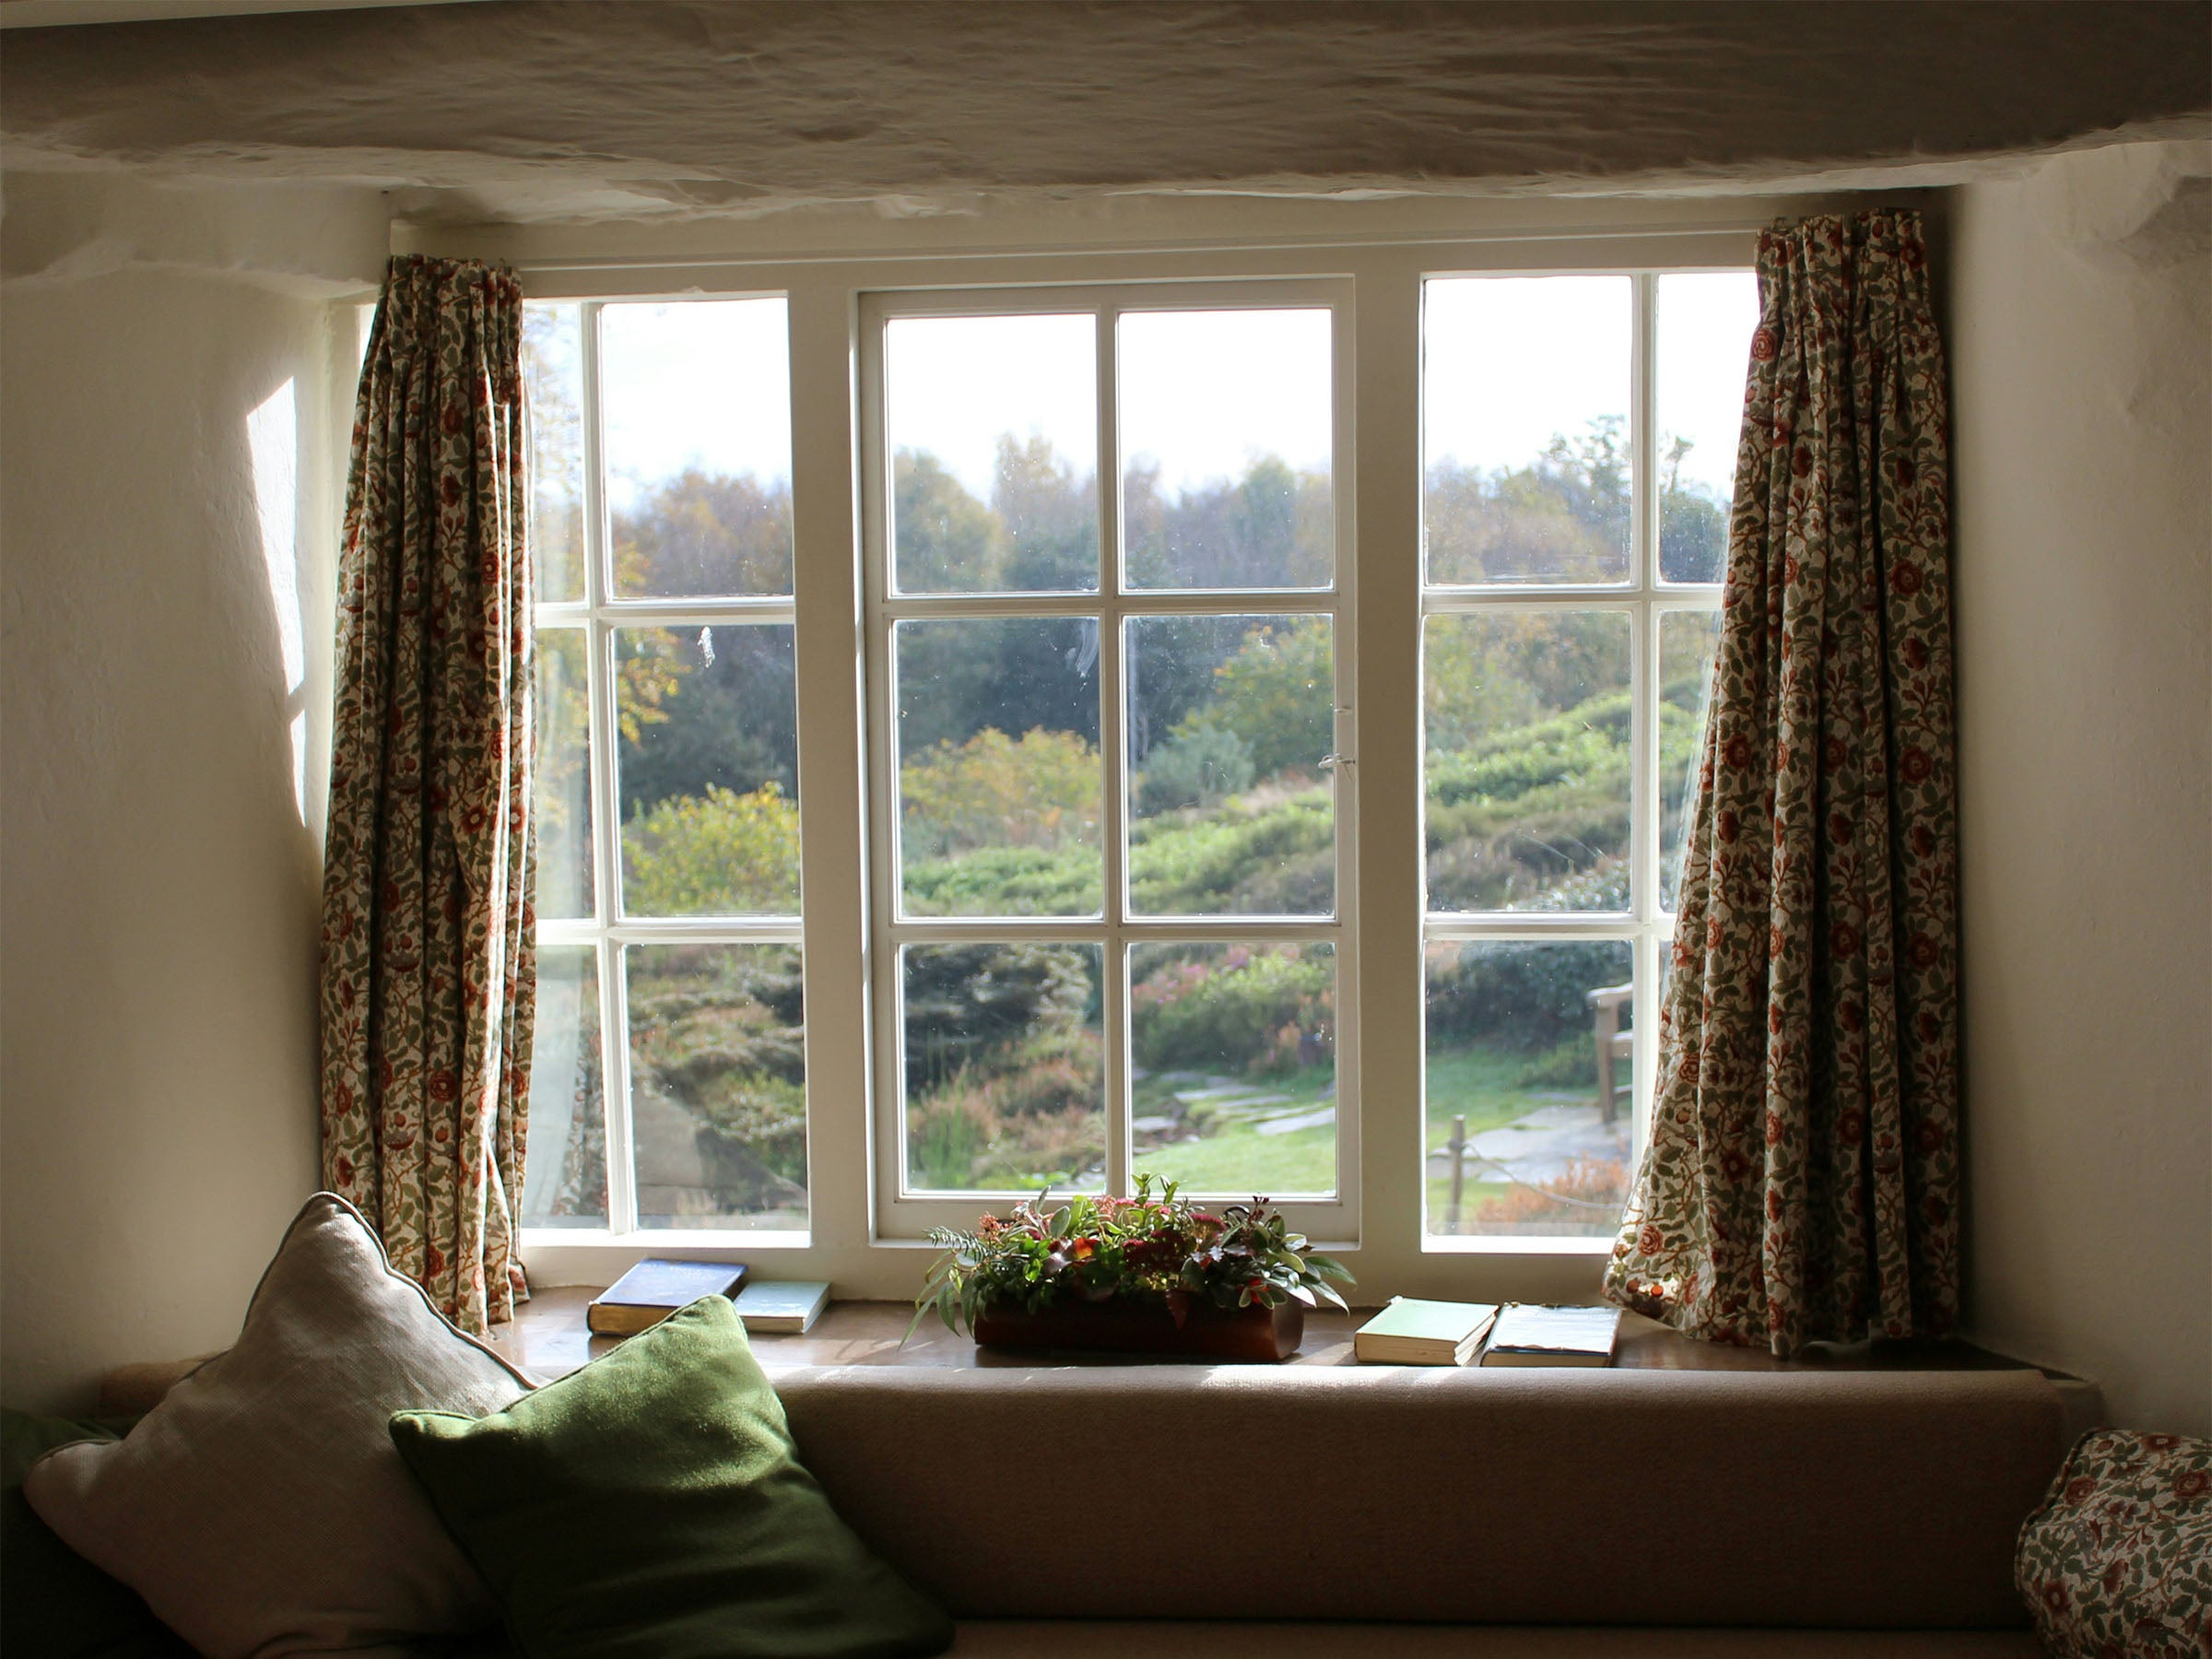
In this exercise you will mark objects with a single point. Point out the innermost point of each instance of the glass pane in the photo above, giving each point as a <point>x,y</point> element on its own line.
<point>1706,321</point>
<point>695,402</point>
<point>1227,443</point>
<point>1531,1086</point>
<point>563,785</point>
<point>1528,764</point>
<point>1230,811</point>
<point>994,433</point>
<point>1005,1079</point>
<point>1525,399</point>
<point>718,1084</point>
<point>998,767</point>
<point>553,382</point>
<point>1687,642</point>
<point>1233,1084</point>
<point>708,771</point>
<point>564,1177</point>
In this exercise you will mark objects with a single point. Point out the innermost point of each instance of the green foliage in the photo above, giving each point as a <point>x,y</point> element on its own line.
<point>947,541</point>
<point>1028,1114</point>
<point>1199,764</point>
<point>1272,528</point>
<point>1161,1249</point>
<point>1262,1010</point>
<point>1562,518</point>
<point>705,533</point>
<point>1526,996</point>
<point>1007,881</point>
<point>1277,694</point>
<point>992,791</point>
<point>721,1030</point>
<point>1259,856</point>
<point>965,1002</point>
<point>720,854</point>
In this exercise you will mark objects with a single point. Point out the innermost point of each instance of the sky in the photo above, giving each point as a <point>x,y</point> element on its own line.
<point>1510,362</point>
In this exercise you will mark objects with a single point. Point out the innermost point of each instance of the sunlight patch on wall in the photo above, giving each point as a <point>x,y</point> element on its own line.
<point>272,441</point>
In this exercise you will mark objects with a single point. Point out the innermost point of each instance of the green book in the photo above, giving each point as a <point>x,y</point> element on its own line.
<point>1423,1333</point>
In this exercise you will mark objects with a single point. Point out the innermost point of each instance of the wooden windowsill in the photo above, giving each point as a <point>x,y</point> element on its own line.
<point>549,1339</point>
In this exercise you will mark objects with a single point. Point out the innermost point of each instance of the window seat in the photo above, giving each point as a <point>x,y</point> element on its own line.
<point>1688,1500</point>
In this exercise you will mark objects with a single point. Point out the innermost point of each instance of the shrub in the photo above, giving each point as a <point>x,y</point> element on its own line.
<point>995,792</point>
<point>1526,996</point>
<point>1260,1009</point>
<point>1199,763</point>
<point>1584,1183</point>
<point>1027,1116</point>
<point>720,853</point>
<point>965,1001</point>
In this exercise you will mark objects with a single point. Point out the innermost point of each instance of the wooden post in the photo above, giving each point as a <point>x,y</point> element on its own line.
<point>1458,1143</point>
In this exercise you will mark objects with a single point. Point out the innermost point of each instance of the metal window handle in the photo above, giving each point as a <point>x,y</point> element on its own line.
<point>1336,760</point>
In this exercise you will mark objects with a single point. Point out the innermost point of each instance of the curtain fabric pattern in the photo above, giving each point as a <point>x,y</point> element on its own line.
<point>428,981</point>
<point>1800,1182</point>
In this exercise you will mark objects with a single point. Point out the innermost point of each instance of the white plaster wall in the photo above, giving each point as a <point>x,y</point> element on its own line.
<point>2081,358</point>
<point>165,550</point>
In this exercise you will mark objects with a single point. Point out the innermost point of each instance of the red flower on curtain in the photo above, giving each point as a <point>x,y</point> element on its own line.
<point>1801,1180</point>
<point>428,971</point>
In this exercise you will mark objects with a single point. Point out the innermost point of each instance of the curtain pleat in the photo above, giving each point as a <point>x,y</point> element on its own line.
<point>1800,1181</point>
<point>427,976</point>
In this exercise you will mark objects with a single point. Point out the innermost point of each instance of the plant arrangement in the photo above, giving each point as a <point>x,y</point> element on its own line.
<point>1162,1250</point>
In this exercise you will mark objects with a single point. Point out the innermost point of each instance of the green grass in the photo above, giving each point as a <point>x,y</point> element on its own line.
<point>1234,1158</point>
<point>1481,1082</point>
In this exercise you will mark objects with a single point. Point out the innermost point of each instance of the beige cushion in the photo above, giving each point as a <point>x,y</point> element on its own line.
<point>261,1509</point>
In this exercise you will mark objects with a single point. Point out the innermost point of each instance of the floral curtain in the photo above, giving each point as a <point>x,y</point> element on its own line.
<point>427,974</point>
<point>1801,1179</point>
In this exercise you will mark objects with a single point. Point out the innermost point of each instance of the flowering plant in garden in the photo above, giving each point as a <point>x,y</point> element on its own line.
<point>1164,1250</point>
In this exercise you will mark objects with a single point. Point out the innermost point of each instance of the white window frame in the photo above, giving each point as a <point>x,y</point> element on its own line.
<point>901,1212</point>
<point>1644,597</point>
<point>1384,251</point>
<point>610,931</point>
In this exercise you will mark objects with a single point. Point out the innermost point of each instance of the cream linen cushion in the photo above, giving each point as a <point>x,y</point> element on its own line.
<point>261,1509</point>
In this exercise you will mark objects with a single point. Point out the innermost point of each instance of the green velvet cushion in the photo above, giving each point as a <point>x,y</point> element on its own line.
<point>652,1504</point>
<point>52,1601</point>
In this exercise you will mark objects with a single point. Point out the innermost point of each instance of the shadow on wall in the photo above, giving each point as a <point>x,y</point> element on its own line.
<point>166,598</point>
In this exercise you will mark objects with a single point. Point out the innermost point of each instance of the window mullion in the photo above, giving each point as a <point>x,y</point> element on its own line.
<point>1643,652</point>
<point>1112,756</point>
<point>600,683</point>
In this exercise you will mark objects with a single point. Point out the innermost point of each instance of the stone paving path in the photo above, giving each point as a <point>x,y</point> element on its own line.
<point>1540,1147</point>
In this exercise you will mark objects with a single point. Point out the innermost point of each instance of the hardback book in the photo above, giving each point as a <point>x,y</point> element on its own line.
<point>655,1288</point>
<point>781,1307</point>
<point>1527,1333</point>
<point>1423,1333</point>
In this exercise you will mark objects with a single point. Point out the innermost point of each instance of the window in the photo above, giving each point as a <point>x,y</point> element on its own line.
<point>1579,448</point>
<point>1241,715</point>
<point>1111,909</point>
<point>669,950</point>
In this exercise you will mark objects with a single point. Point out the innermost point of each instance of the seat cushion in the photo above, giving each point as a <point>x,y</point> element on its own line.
<point>1858,1499</point>
<point>652,1504</point>
<point>260,1508</point>
<point>1116,1639</point>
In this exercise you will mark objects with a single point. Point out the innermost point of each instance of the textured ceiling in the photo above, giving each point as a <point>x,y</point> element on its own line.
<point>531,109</point>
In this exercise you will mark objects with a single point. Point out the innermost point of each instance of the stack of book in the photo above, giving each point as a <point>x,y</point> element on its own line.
<point>1424,1333</point>
<point>656,1287</point>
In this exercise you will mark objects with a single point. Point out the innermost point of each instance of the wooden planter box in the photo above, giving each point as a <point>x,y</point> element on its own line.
<point>1114,1326</point>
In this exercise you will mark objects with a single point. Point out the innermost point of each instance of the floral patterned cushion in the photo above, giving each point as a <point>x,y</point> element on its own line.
<point>2117,1562</point>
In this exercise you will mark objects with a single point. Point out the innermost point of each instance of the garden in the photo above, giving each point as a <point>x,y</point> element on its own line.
<point>1232,812</point>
